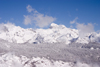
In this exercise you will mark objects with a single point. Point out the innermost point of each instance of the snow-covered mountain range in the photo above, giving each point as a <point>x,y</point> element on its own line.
<point>49,48</point>
<point>54,34</point>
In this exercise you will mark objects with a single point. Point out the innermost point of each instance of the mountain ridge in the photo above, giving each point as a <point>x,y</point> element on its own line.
<point>55,33</point>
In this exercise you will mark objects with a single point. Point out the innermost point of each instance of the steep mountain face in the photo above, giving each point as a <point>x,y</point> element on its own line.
<point>56,33</point>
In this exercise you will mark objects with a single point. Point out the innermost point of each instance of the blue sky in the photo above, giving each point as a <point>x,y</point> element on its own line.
<point>67,12</point>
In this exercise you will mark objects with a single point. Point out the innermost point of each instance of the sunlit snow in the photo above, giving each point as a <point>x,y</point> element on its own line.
<point>57,46</point>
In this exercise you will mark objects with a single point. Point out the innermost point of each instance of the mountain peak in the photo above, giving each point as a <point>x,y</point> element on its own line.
<point>53,25</point>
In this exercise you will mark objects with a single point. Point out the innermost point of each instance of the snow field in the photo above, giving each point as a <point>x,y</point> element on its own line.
<point>10,60</point>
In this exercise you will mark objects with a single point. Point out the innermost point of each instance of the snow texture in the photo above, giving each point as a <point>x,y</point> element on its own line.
<point>57,46</point>
<point>49,55</point>
<point>10,60</point>
<point>54,34</point>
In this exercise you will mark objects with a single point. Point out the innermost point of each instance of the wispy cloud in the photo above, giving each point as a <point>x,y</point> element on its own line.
<point>30,9</point>
<point>11,18</point>
<point>0,17</point>
<point>27,19</point>
<point>76,9</point>
<point>84,29</point>
<point>37,18</point>
<point>74,21</point>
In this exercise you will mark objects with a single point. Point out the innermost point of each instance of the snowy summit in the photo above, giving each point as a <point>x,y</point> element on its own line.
<point>54,34</point>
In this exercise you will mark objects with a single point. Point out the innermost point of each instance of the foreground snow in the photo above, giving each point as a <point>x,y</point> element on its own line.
<point>49,55</point>
<point>10,60</point>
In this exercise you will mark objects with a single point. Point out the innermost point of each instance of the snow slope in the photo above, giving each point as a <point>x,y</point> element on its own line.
<point>10,60</point>
<point>49,55</point>
<point>56,33</point>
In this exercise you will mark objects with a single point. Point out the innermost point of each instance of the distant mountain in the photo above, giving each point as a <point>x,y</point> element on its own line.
<point>54,34</point>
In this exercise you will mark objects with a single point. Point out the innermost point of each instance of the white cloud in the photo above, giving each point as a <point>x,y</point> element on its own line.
<point>30,9</point>
<point>74,21</point>
<point>84,29</point>
<point>27,20</point>
<point>37,18</point>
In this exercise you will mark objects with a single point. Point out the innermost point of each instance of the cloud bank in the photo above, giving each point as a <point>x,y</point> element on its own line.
<point>37,18</point>
<point>83,28</point>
